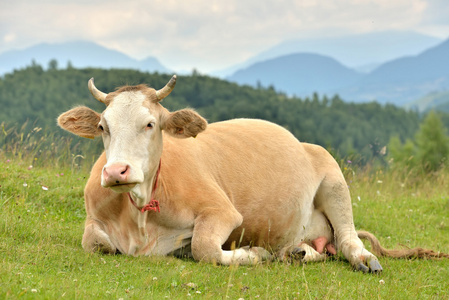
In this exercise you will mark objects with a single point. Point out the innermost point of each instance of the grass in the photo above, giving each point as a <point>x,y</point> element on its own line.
<point>42,221</point>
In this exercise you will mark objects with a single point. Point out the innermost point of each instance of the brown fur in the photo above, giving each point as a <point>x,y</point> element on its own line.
<point>134,88</point>
<point>185,123</point>
<point>399,253</point>
<point>143,88</point>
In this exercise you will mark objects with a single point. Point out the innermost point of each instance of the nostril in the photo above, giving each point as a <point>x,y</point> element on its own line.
<point>124,171</point>
<point>116,174</point>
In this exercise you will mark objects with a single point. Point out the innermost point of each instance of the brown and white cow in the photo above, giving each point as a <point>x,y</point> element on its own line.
<point>242,191</point>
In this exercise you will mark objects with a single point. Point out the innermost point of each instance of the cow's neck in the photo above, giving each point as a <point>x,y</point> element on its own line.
<point>142,193</point>
<point>153,203</point>
<point>145,202</point>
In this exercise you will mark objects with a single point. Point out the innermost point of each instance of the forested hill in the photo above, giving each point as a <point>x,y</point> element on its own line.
<point>38,96</point>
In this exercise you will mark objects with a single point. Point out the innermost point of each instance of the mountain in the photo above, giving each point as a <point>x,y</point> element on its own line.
<point>398,81</point>
<point>432,101</point>
<point>362,52</point>
<point>300,74</point>
<point>404,79</point>
<point>80,54</point>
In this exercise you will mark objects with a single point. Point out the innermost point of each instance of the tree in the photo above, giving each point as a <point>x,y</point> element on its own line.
<point>428,150</point>
<point>401,155</point>
<point>432,142</point>
<point>53,64</point>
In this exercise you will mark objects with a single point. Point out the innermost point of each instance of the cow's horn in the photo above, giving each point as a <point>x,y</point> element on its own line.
<point>99,95</point>
<point>163,92</point>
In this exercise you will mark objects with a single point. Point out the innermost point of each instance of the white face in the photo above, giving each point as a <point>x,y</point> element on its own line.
<point>132,139</point>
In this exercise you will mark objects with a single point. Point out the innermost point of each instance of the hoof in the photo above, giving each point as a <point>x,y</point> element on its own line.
<point>374,266</point>
<point>261,253</point>
<point>361,267</point>
<point>297,254</point>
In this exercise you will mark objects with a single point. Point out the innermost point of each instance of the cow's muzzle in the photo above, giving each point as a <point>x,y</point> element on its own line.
<point>117,175</point>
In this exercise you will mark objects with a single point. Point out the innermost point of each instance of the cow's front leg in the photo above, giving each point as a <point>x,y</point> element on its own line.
<point>96,239</point>
<point>212,230</point>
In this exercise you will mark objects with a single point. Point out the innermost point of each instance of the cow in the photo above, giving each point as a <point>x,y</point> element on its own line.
<point>234,192</point>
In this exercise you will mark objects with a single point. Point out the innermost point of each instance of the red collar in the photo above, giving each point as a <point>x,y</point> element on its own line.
<point>153,204</point>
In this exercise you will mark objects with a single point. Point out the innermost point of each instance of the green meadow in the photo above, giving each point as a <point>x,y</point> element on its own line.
<point>42,221</point>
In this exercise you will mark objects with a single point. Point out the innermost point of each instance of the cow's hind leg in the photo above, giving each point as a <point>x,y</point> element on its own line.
<point>303,253</point>
<point>334,201</point>
<point>317,240</point>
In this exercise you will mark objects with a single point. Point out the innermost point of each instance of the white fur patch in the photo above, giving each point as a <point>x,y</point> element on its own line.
<point>129,141</point>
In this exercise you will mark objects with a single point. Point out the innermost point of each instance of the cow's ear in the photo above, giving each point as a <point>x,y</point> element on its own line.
<point>184,123</point>
<point>81,121</point>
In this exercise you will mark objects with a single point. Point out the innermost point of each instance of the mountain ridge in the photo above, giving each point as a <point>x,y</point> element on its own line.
<point>405,79</point>
<point>80,54</point>
<point>354,51</point>
<point>398,81</point>
<point>319,71</point>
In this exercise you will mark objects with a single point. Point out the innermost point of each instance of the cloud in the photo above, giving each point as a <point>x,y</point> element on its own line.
<point>437,12</point>
<point>206,34</point>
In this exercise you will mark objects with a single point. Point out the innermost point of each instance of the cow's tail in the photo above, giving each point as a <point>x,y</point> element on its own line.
<point>378,250</point>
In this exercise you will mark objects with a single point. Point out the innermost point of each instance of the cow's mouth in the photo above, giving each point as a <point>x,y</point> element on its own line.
<point>122,187</point>
<point>131,185</point>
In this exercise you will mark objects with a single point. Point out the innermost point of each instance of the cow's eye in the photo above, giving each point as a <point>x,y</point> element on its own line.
<point>150,125</point>
<point>100,127</point>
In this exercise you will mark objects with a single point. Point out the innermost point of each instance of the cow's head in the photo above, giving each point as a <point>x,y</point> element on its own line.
<point>131,127</point>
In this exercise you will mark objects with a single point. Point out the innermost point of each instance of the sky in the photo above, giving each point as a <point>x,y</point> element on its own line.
<point>208,34</point>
